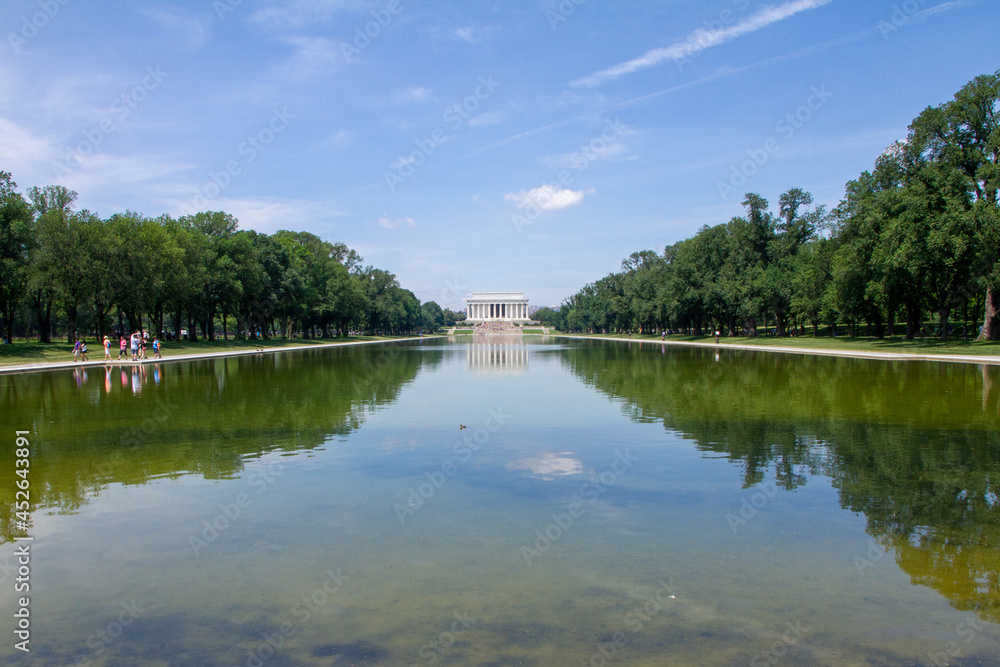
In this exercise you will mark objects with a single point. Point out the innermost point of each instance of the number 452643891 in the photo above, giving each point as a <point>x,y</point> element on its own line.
<point>22,465</point>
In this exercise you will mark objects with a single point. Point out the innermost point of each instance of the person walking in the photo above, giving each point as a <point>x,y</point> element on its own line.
<point>134,346</point>
<point>107,349</point>
<point>121,347</point>
<point>83,350</point>
<point>76,351</point>
<point>156,348</point>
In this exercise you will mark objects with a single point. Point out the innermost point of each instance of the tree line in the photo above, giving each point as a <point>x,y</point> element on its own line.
<point>916,238</point>
<point>198,272</point>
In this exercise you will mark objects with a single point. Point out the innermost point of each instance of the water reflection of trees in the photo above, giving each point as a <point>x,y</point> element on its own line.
<point>915,447</point>
<point>205,417</point>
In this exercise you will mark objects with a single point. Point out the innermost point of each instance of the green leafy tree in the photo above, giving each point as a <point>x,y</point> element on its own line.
<point>16,240</point>
<point>431,316</point>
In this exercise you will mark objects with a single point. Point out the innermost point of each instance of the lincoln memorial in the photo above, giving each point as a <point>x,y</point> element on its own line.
<point>496,307</point>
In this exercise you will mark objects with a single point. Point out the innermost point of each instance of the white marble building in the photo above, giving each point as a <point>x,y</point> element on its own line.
<point>496,307</point>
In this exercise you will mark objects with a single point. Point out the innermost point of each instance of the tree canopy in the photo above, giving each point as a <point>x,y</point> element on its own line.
<point>199,273</point>
<point>916,238</point>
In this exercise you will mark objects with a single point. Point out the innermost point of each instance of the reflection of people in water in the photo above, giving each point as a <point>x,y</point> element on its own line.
<point>988,372</point>
<point>107,379</point>
<point>80,376</point>
<point>156,373</point>
<point>136,380</point>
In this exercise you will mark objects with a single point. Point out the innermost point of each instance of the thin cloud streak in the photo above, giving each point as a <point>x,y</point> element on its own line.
<point>699,40</point>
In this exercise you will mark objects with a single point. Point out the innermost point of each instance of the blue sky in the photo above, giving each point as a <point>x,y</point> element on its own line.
<point>472,146</point>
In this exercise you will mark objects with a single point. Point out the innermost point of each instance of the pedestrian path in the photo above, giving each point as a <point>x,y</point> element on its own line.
<point>62,365</point>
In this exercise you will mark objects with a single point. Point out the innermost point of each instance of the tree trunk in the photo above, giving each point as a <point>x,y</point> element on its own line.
<point>779,323</point>
<point>965,319</point>
<point>70,324</point>
<point>912,322</point>
<point>991,321</point>
<point>43,311</point>
<point>100,316</point>
<point>943,322</point>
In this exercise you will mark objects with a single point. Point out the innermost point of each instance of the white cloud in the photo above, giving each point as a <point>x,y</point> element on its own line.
<point>417,95</point>
<point>587,155</point>
<point>548,197</point>
<point>297,14</point>
<point>339,139</point>
<point>393,223</point>
<point>189,32</point>
<point>699,40</point>
<point>488,118</point>
<point>467,33</point>
<point>473,34</point>
<point>310,55</point>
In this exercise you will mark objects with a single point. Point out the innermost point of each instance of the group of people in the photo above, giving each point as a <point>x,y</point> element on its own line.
<point>135,344</point>
<point>496,328</point>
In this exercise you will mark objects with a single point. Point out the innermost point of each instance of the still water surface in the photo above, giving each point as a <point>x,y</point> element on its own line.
<point>606,503</point>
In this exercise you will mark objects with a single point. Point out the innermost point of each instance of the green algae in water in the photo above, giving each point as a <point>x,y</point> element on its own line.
<point>606,502</point>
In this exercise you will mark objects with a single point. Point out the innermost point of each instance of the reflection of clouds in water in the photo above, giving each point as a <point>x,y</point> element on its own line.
<point>549,465</point>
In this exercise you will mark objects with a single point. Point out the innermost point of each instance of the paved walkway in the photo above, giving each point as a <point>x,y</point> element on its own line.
<point>62,365</point>
<point>860,354</point>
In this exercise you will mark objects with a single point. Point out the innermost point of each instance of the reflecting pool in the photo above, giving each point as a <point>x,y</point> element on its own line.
<point>539,502</point>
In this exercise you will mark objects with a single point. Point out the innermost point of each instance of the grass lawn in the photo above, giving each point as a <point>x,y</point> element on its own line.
<point>897,344</point>
<point>33,352</point>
